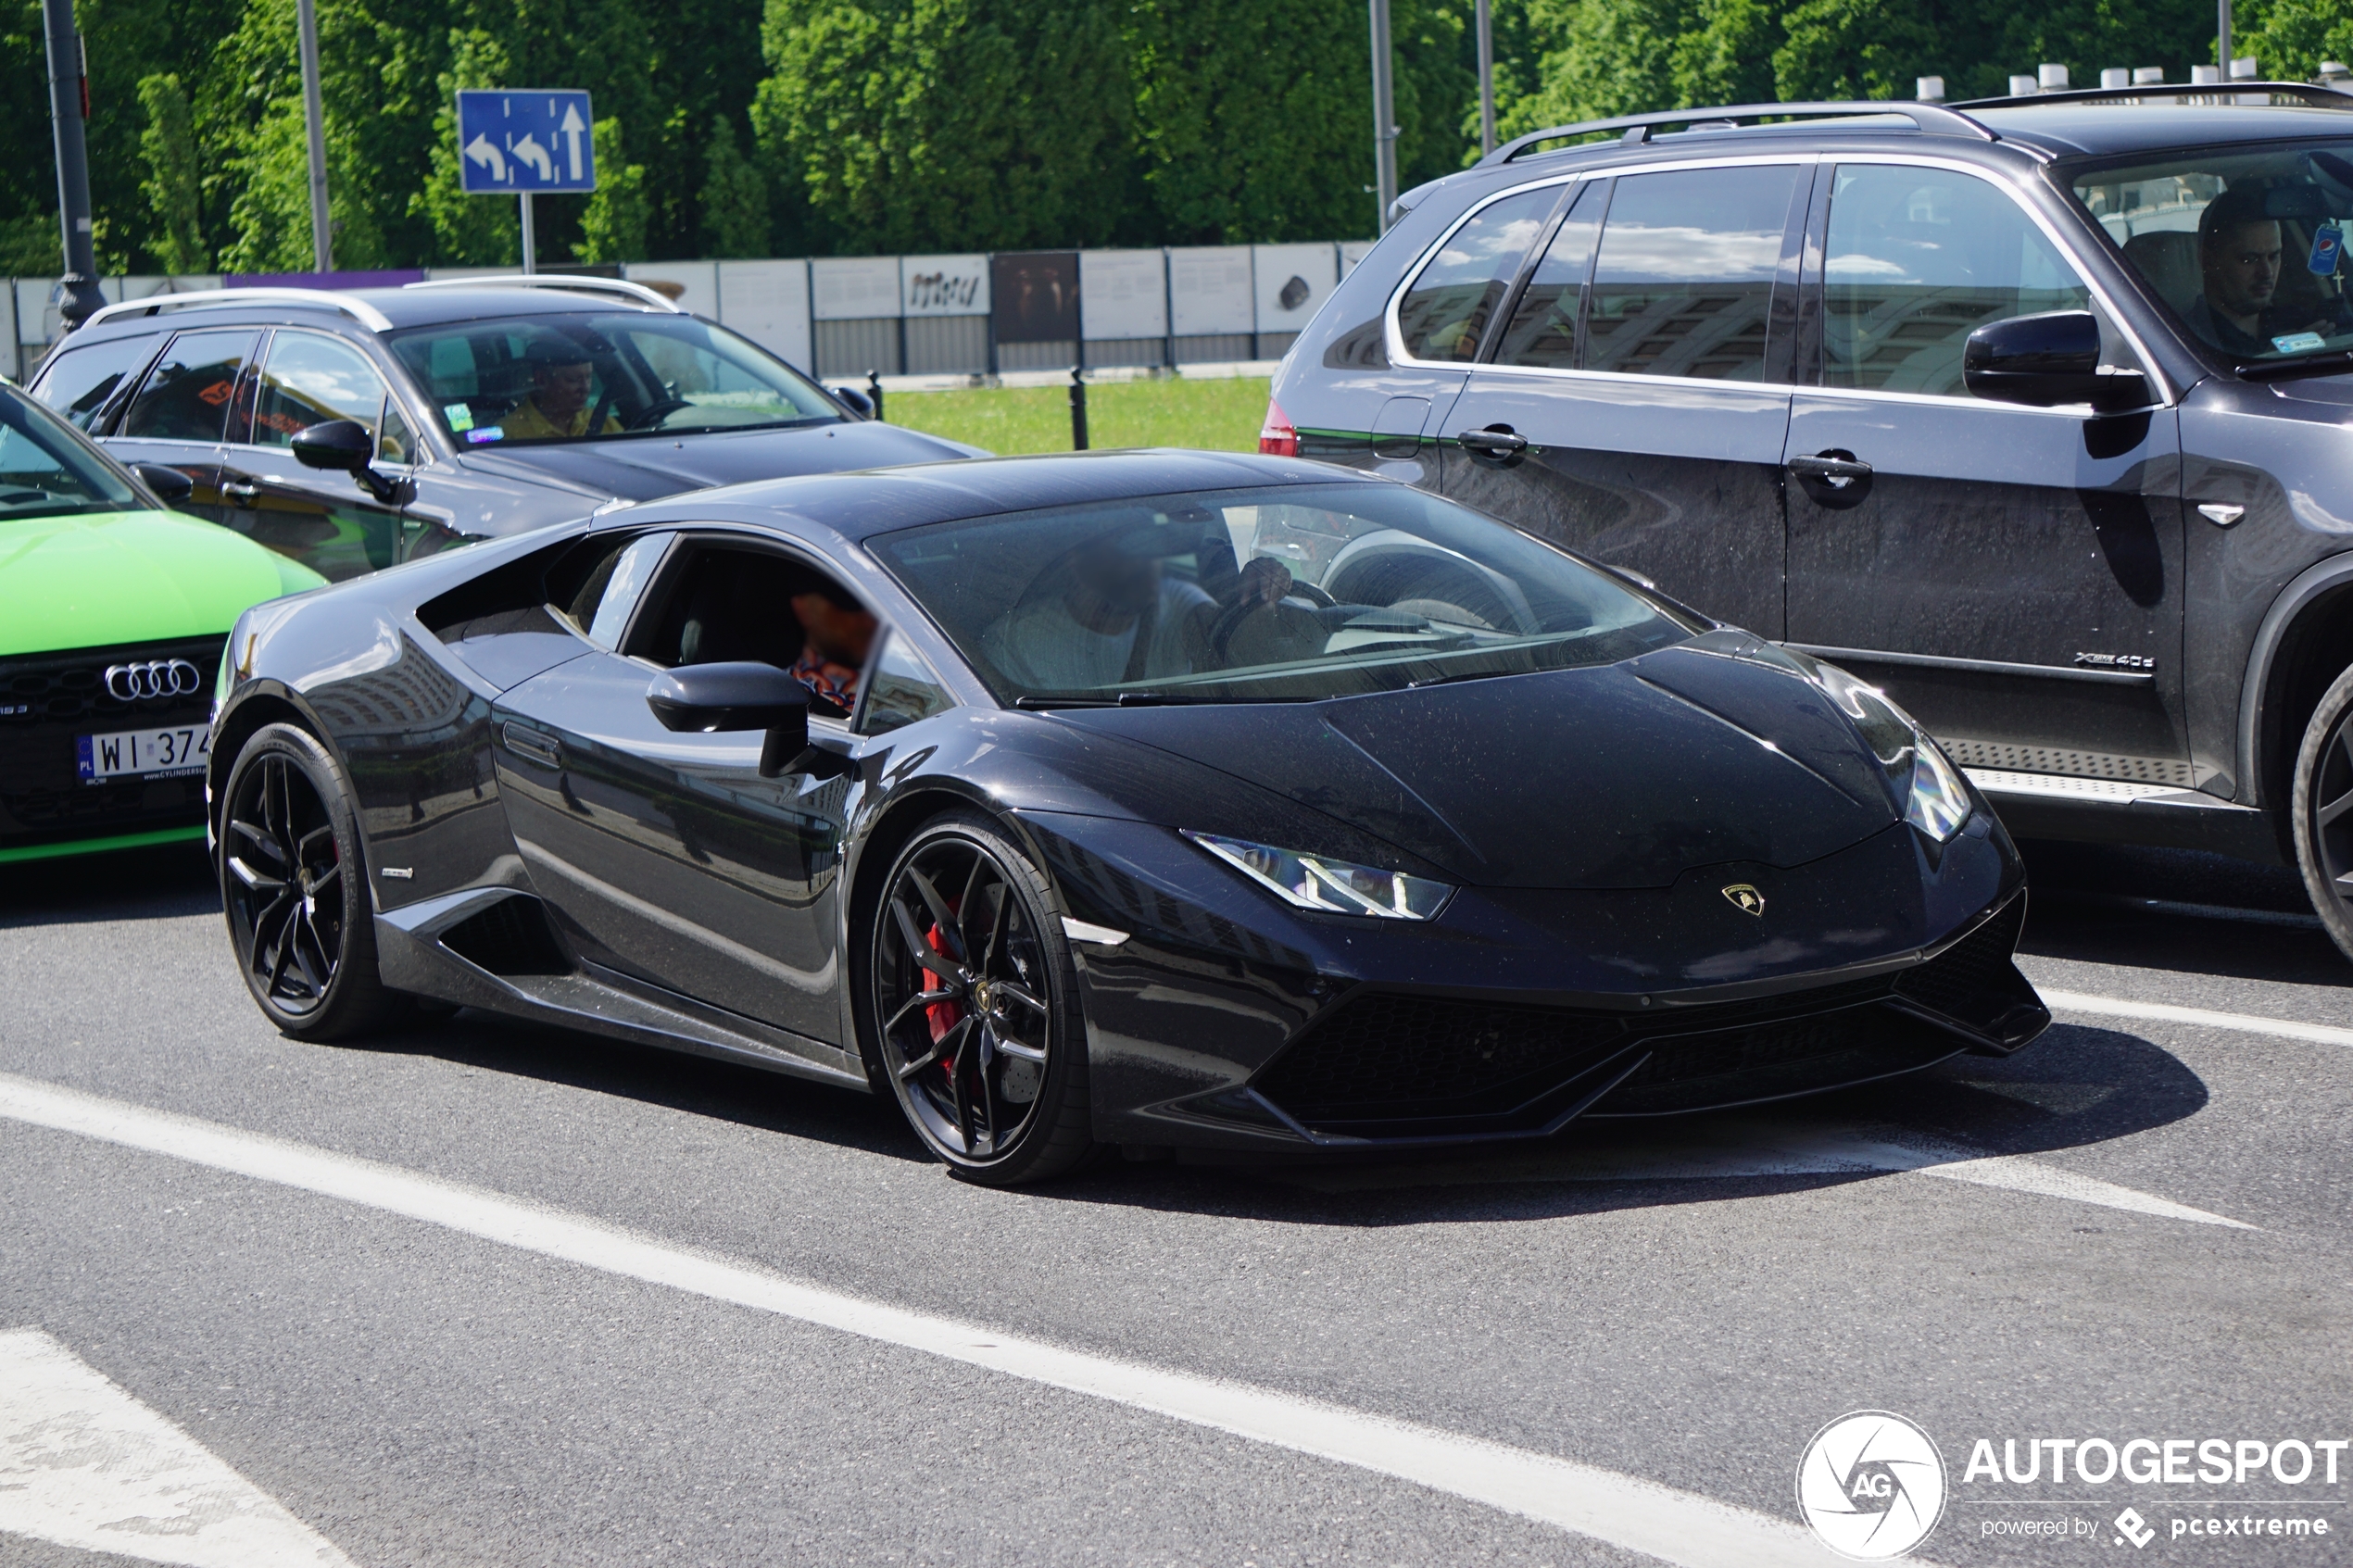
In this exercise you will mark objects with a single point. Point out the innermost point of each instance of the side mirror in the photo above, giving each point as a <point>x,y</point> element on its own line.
<point>708,699</point>
<point>2040,360</point>
<point>168,483</point>
<point>349,444</point>
<point>334,444</point>
<point>858,403</point>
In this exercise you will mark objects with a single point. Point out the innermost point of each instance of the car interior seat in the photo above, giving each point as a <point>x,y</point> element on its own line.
<point>2168,258</point>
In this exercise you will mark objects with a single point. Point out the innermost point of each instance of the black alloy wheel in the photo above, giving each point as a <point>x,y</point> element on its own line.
<point>973,1022</point>
<point>293,886</point>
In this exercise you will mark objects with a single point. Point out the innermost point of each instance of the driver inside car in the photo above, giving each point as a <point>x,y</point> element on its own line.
<point>2240,250</point>
<point>1116,618</point>
<point>838,635</point>
<point>562,379</point>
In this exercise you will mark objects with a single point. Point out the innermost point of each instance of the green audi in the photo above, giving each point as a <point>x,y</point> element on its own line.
<point>113,611</point>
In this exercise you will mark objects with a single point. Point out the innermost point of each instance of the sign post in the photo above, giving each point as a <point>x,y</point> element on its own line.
<point>524,142</point>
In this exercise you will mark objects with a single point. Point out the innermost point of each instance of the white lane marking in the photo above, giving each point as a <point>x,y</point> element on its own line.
<point>1741,1146</point>
<point>2164,1012</point>
<point>1641,1516</point>
<point>84,1464</point>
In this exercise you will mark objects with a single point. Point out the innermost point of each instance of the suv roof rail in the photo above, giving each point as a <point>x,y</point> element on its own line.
<point>635,292</point>
<point>1934,120</point>
<point>2313,95</point>
<point>358,310</point>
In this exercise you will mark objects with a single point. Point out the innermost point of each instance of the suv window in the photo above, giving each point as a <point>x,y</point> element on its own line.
<point>187,396</point>
<point>80,383</point>
<point>1918,258</point>
<point>1444,313</point>
<point>1684,284</point>
<point>1543,329</point>
<point>309,379</point>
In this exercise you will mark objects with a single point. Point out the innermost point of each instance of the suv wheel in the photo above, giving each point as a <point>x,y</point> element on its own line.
<point>2323,805</point>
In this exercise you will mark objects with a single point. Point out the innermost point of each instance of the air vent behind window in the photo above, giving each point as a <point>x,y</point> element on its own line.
<point>510,937</point>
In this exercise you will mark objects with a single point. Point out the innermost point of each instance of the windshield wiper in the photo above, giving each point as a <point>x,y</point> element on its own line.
<point>2335,362</point>
<point>1124,699</point>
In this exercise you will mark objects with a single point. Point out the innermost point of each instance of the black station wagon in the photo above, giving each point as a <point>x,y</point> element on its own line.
<point>2032,411</point>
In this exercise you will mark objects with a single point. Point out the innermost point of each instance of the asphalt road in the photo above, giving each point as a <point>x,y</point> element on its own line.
<point>2139,1228</point>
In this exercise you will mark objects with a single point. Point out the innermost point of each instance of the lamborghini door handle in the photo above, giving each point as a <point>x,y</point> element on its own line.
<point>1499,443</point>
<point>538,746</point>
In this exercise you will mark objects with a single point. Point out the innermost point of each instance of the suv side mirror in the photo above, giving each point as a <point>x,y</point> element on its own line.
<point>2047,361</point>
<point>349,444</point>
<point>708,699</point>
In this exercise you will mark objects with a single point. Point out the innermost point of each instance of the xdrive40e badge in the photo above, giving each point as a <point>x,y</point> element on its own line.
<point>1745,899</point>
<point>1872,1485</point>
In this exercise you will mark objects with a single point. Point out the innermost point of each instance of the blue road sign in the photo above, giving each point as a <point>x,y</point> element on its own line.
<point>521,140</point>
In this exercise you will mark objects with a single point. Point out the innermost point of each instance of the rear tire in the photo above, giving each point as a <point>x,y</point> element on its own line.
<point>972,1020</point>
<point>294,884</point>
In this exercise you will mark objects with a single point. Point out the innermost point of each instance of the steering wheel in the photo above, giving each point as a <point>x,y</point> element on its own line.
<point>652,416</point>
<point>1300,588</point>
<point>1222,630</point>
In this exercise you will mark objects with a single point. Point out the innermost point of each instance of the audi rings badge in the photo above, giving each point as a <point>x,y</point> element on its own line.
<point>155,678</point>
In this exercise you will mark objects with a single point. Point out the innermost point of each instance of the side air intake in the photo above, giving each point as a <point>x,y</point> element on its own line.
<point>510,937</point>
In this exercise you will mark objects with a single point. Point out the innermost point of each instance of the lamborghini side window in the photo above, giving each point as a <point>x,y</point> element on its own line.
<point>602,606</point>
<point>900,690</point>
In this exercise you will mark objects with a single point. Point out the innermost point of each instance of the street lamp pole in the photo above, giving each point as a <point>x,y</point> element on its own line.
<point>1486,19</point>
<point>2222,37</point>
<point>1384,116</point>
<point>323,252</point>
<point>78,294</point>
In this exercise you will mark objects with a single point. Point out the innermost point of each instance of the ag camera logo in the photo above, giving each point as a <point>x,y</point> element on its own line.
<point>1871,1485</point>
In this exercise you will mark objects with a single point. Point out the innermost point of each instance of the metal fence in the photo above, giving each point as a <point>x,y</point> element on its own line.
<point>923,315</point>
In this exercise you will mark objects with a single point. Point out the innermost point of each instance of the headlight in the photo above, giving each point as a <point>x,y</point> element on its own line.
<point>1314,882</point>
<point>1936,800</point>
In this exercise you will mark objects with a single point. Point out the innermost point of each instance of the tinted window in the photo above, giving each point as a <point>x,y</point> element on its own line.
<point>1445,314</point>
<point>79,382</point>
<point>187,396</point>
<point>901,690</point>
<point>1543,329</point>
<point>1917,259</point>
<point>1684,280</point>
<point>48,470</point>
<point>309,379</point>
<point>1296,594</point>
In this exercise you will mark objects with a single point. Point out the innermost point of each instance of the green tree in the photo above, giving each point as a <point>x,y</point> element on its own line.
<point>2291,37</point>
<point>734,197</point>
<point>467,231</point>
<point>968,124</point>
<point>1854,49</point>
<point>173,186</point>
<point>613,227</point>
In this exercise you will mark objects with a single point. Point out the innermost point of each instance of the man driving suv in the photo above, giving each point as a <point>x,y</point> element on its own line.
<point>2239,248</point>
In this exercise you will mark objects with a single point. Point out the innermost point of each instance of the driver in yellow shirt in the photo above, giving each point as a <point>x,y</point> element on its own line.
<point>562,377</point>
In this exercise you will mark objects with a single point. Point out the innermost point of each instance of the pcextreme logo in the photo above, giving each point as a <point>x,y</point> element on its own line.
<point>1871,1485</point>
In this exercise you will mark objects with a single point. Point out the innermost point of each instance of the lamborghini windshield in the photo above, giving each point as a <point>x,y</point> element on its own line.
<point>50,470</point>
<point>598,375</point>
<point>2246,243</point>
<point>1296,593</point>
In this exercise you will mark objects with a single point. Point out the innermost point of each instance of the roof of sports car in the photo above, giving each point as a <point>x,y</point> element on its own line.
<point>860,505</point>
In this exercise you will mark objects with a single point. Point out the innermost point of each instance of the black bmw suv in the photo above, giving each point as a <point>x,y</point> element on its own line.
<point>2032,411</point>
<point>488,407</point>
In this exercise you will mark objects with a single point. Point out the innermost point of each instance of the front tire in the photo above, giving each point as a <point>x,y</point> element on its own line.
<point>294,884</point>
<point>973,1018</point>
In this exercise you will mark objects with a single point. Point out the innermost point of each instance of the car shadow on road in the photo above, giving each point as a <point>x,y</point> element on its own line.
<point>159,883</point>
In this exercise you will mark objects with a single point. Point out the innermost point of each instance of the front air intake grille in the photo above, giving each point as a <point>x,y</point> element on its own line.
<point>510,937</point>
<point>1381,1065</point>
<point>1964,972</point>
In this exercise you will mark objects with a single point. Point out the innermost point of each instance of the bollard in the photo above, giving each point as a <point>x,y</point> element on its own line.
<point>874,391</point>
<point>1077,411</point>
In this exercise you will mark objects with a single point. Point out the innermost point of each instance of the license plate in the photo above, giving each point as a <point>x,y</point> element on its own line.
<point>143,754</point>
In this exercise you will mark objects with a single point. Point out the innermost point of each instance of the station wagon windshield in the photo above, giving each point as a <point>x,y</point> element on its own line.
<point>597,376</point>
<point>1291,594</point>
<point>2246,244</point>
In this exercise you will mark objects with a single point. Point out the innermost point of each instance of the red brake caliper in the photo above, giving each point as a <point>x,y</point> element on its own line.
<point>942,1016</point>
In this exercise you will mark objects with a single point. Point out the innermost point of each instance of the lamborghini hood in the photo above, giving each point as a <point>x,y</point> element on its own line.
<point>1624,775</point>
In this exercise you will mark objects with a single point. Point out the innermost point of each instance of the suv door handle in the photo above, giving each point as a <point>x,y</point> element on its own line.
<point>1501,443</point>
<point>1836,472</point>
<point>240,495</point>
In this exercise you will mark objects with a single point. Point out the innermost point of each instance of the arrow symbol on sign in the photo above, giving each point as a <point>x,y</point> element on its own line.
<point>529,151</point>
<point>571,128</point>
<point>489,156</point>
